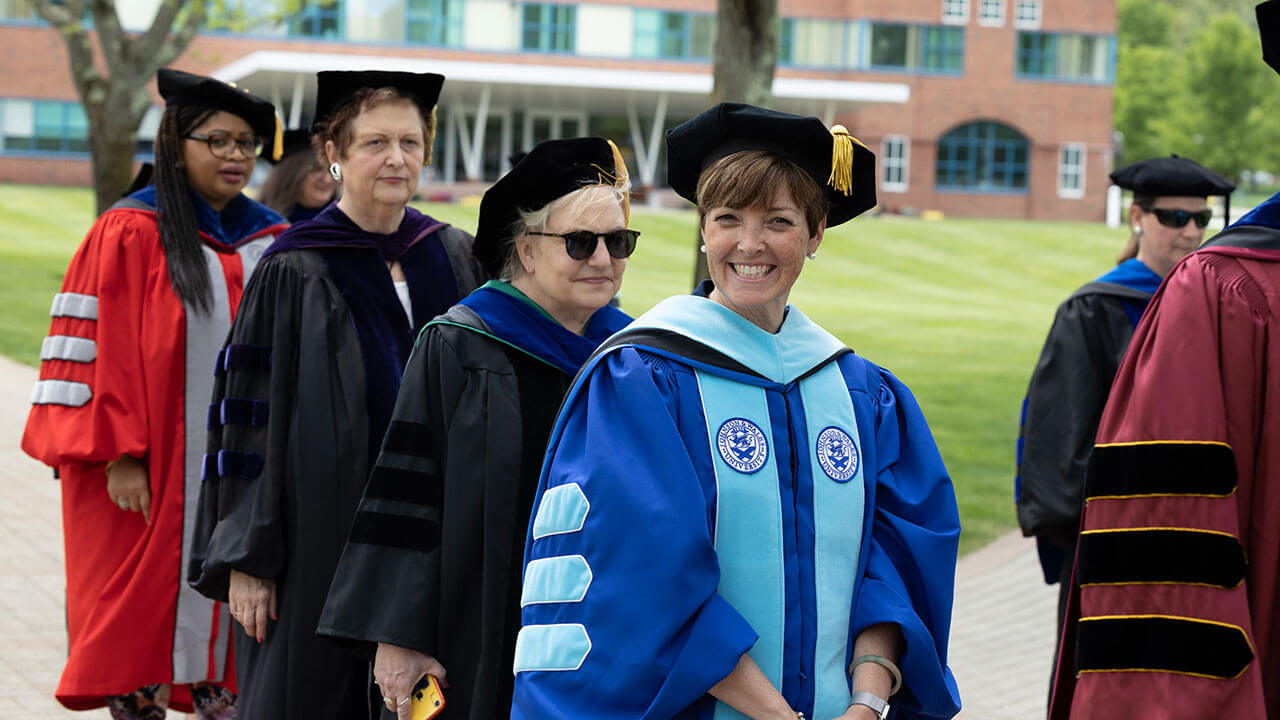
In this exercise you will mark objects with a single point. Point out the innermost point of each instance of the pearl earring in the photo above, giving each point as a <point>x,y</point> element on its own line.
<point>335,172</point>
<point>813,255</point>
<point>703,249</point>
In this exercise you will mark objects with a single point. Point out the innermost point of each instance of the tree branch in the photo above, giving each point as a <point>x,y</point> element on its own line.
<point>149,44</point>
<point>111,36</point>
<point>67,20</point>
<point>191,24</point>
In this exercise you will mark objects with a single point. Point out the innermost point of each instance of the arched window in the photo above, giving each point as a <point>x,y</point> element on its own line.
<point>983,157</point>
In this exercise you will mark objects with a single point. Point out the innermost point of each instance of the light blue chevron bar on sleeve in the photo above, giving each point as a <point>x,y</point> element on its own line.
<point>551,647</point>
<point>561,579</point>
<point>563,510</point>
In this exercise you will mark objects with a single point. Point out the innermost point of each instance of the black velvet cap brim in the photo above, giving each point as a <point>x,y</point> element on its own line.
<point>296,140</point>
<point>1269,27</point>
<point>550,170</point>
<point>728,128</point>
<point>335,87</point>
<point>1171,176</point>
<point>181,88</point>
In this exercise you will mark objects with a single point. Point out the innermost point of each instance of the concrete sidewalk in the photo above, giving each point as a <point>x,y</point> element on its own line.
<point>1001,637</point>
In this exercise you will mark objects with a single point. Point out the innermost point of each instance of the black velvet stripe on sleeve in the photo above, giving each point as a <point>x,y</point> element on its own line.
<point>1160,556</point>
<point>248,358</point>
<point>1146,643</point>
<point>388,483</point>
<point>237,464</point>
<point>237,411</point>
<point>409,438</point>
<point>374,528</point>
<point>1160,469</point>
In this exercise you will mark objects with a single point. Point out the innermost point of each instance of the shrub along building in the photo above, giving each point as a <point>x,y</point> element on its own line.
<point>997,108</point>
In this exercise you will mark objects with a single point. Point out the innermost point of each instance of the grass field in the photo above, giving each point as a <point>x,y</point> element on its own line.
<point>957,309</point>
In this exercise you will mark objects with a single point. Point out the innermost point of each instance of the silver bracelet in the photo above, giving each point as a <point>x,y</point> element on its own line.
<point>882,662</point>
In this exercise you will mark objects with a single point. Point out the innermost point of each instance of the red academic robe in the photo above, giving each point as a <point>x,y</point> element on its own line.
<point>1178,610</point>
<point>126,370</point>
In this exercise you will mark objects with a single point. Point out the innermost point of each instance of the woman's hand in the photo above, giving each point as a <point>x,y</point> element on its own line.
<point>397,670</point>
<point>127,485</point>
<point>252,601</point>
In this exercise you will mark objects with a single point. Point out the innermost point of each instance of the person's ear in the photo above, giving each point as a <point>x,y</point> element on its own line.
<point>524,249</point>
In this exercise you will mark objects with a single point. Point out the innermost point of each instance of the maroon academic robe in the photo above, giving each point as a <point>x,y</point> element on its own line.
<point>1178,611</point>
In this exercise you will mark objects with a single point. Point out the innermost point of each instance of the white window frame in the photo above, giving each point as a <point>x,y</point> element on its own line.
<point>1024,20</point>
<point>1075,193</point>
<point>903,164</point>
<point>950,17</point>
<point>986,20</point>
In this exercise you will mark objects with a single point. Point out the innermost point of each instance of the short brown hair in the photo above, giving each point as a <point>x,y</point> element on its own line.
<point>337,127</point>
<point>749,179</point>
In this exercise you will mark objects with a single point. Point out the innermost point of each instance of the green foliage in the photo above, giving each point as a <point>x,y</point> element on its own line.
<point>1221,83</point>
<point>1190,79</point>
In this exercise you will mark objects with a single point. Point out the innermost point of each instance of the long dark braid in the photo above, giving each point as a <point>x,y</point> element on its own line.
<point>179,229</point>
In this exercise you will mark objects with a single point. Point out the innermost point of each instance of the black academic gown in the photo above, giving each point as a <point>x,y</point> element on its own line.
<point>294,407</point>
<point>1064,401</point>
<point>434,560</point>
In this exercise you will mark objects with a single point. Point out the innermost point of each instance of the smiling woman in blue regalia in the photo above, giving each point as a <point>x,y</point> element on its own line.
<point>737,515</point>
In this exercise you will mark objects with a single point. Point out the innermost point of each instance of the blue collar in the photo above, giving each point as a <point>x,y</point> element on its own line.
<point>517,321</point>
<point>1267,214</point>
<point>1133,273</point>
<point>799,345</point>
<point>241,219</point>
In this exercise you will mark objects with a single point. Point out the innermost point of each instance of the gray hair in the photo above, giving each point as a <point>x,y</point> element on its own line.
<point>573,203</point>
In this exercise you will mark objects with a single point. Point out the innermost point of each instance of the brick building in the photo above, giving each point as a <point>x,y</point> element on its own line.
<point>998,108</point>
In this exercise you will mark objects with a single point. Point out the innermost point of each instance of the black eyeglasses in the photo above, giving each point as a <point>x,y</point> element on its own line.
<point>582,244</point>
<point>222,144</point>
<point>1180,218</point>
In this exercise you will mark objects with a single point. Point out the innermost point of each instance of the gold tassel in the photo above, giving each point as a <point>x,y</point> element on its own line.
<point>277,143</point>
<point>620,179</point>
<point>841,160</point>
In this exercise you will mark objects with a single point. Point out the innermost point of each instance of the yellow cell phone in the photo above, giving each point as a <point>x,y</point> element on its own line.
<point>427,700</point>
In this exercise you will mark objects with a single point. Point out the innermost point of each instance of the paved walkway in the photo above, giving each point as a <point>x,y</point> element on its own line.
<point>1001,640</point>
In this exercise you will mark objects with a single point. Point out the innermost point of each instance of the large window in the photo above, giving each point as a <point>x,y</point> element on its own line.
<point>894,162</point>
<point>1065,56</point>
<point>812,43</point>
<point>931,48</point>
<point>47,126</point>
<point>667,34</point>
<point>318,18</point>
<point>20,10</point>
<point>1071,171</point>
<point>983,157</point>
<point>548,27</point>
<point>955,12</point>
<point>434,22</point>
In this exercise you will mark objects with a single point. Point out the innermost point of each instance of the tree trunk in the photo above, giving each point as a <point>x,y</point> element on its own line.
<point>746,53</point>
<point>114,144</point>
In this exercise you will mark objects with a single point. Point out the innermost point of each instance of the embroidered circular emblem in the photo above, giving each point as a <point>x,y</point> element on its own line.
<point>837,454</point>
<point>742,445</point>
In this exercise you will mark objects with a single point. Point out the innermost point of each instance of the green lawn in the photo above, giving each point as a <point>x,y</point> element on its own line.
<point>957,309</point>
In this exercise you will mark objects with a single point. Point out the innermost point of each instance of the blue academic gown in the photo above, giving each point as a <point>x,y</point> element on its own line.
<point>711,489</point>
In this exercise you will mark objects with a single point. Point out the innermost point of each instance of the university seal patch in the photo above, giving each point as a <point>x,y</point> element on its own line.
<point>837,454</point>
<point>742,445</point>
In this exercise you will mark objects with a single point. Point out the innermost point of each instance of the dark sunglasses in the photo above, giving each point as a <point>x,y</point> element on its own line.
<point>1180,218</point>
<point>582,244</point>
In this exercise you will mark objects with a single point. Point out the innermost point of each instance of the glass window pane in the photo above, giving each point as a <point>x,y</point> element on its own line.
<point>889,46</point>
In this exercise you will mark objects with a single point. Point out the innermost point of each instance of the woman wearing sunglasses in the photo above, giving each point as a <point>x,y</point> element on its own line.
<point>738,514</point>
<point>1088,339</point>
<point>120,408</point>
<point>431,572</point>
